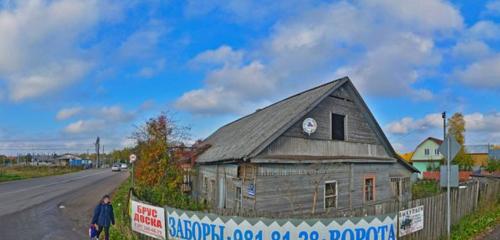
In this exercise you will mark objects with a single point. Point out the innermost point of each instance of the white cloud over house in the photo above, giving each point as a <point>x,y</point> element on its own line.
<point>381,45</point>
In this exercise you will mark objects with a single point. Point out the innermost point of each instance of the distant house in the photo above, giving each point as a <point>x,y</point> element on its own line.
<point>478,153</point>
<point>65,159</point>
<point>494,152</point>
<point>407,156</point>
<point>317,151</point>
<point>427,156</point>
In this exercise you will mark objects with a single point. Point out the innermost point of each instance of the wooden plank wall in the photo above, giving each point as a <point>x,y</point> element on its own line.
<point>463,202</point>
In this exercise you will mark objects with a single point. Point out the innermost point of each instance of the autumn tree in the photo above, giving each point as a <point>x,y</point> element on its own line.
<point>456,128</point>
<point>158,177</point>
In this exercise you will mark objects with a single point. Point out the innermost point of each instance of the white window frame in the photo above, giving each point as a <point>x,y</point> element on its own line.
<point>239,200</point>
<point>427,152</point>
<point>336,194</point>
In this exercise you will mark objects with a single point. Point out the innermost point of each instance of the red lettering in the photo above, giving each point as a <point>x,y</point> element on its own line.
<point>155,214</point>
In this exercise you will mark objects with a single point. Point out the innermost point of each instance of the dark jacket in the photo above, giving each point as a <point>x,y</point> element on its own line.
<point>103,215</point>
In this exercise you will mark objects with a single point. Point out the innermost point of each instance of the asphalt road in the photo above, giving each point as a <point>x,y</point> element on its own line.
<point>56,207</point>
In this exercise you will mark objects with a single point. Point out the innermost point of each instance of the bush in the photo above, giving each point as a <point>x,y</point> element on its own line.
<point>425,188</point>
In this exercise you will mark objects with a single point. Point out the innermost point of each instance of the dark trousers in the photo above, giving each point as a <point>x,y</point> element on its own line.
<point>106,232</point>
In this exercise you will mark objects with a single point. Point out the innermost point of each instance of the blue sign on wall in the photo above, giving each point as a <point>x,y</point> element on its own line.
<point>251,190</point>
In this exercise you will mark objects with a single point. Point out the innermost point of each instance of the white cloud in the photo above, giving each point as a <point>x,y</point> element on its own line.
<point>143,43</point>
<point>229,88</point>
<point>471,50</point>
<point>484,73</point>
<point>409,124</point>
<point>381,45</point>
<point>66,113</point>
<point>105,119</point>
<point>480,122</point>
<point>486,30</point>
<point>492,8</point>
<point>480,128</point>
<point>224,55</point>
<point>85,126</point>
<point>39,47</point>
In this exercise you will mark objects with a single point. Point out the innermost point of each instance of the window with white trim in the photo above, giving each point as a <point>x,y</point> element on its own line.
<point>330,194</point>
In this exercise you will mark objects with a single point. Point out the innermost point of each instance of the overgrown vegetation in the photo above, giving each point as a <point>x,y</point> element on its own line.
<point>477,223</point>
<point>456,128</point>
<point>425,188</point>
<point>158,176</point>
<point>493,166</point>
<point>17,173</point>
<point>121,230</point>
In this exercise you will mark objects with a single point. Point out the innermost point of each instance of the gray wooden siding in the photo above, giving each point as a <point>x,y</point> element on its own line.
<point>291,188</point>
<point>357,128</point>
<point>295,146</point>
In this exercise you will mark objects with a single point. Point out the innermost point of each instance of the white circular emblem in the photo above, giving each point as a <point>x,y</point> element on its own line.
<point>132,158</point>
<point>309,125</point>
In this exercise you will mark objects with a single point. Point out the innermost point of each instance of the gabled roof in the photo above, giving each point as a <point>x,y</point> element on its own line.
<point>248,136</point>
<point>433,139</point>
<point>239,139</point>
<point>477,149</point>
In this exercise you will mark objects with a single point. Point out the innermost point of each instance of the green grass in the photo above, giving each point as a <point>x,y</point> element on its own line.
<point>476,223</point>
<point>425,188</point>
<point>18,173</point>
<point>121,230</point>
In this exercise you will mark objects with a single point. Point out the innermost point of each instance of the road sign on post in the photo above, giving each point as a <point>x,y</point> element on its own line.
<point>449,148</point>
<point>132,158</point>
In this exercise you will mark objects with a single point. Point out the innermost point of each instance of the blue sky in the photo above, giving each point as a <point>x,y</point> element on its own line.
<point>72,70</point>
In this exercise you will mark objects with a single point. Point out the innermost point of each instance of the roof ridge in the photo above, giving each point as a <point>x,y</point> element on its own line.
<point>282,100</point>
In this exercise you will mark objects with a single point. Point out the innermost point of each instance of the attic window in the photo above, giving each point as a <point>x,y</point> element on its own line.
<point>338,127</point>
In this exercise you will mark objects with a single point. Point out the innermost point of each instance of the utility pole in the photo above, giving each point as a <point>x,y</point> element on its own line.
<point>444,124</point>
<point>448,209</point>
<point>97,148</point>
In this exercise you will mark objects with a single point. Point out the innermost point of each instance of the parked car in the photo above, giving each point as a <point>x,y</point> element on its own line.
<point>116,168</point>
<point>124,166</point>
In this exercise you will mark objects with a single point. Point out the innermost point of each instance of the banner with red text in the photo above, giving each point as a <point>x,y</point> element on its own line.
<point>148,219</point>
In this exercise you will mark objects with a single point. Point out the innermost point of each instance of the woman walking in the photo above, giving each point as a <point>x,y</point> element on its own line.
<point>103,216</point>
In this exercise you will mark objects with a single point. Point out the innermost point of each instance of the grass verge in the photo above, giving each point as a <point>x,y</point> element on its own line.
<point>18,173</point>
<point>478,222</point>
<point>121,230</point>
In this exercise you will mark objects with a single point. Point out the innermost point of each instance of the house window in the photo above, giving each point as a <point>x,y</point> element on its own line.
<point>338,127</point>
<point>399,186</point>
<point>369,189</point>
<point>330,194</point>
<point>436,151</point>
<point>427,151</point>
<point>237,198</point>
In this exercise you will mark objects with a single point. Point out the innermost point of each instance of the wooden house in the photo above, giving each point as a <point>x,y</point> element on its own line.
<point>319,150</point>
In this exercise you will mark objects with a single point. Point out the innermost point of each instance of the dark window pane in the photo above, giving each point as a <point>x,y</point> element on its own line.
<point>338,128</point>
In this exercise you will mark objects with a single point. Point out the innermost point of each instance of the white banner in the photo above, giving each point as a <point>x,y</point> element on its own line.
<point>148,219</point>
<point>411,220</point>
<point>197,226</point>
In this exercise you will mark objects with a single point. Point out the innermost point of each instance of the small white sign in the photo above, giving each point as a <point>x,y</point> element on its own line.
<point>411,220</point>
<point>132,158</point>
<point>309,126</point>
<point>148,219</point>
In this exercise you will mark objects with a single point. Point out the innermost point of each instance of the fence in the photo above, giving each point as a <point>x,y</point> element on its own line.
<point>464,201</point>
